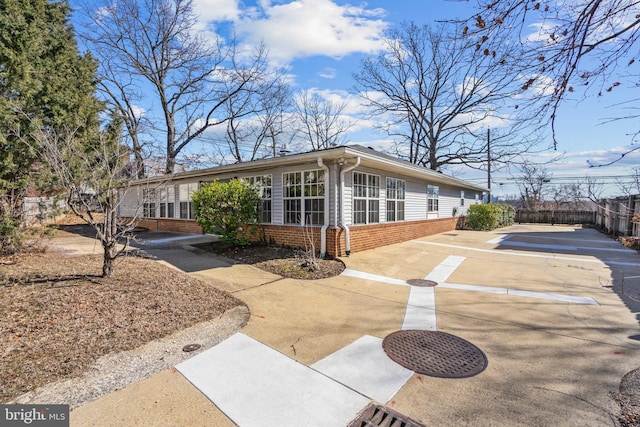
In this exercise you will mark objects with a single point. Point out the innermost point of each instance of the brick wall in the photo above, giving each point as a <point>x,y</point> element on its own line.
<point>362,237</point>
<point>365,237</point>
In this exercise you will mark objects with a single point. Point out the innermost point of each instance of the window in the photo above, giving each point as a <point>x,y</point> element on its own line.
<point>149,203</point>
<point>433,191</point>
<point>167,202</point>
<point>366,195</point>
<point>395,199</point>
<point>263,185</point>
<point>184,195</point>
<point>303,194</point>
<point>462,198</point>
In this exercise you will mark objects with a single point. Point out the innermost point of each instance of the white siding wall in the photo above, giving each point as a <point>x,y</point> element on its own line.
<point>415,195</point>
<point>416,201</point>
<point>448,201</point>
<point>415,198</point>
<point>130,202</point>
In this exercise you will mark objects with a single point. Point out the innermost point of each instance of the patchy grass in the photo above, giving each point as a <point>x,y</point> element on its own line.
<point>58,316</point>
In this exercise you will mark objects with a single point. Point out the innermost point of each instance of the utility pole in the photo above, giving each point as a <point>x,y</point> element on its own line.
<point>489,164</point>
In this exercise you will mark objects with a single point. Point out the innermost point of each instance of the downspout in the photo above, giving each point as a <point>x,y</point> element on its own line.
<point>344,170</point>
<point>325,225</point>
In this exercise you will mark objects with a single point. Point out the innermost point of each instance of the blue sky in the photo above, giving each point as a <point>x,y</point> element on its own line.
<point>323,42</point>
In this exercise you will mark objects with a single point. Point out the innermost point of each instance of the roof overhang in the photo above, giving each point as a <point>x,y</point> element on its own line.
<point>368,158</point>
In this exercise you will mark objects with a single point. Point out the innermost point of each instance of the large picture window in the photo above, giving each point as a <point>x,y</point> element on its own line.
<point>303,196</point>
<point>395,199</point>
<point>263,185</point>
<point>366,198</point>
<point>433,191</point>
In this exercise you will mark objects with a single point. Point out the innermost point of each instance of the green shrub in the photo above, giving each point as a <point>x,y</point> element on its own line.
<point>481,217</point>
<point>506,214</point>
<point>225,208</point>
<point>11,235</point>
<point>490,216</point>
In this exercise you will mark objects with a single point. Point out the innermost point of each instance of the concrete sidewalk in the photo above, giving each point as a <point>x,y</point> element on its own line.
<point>552,360</point>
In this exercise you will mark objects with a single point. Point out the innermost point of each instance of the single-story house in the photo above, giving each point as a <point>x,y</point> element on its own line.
<point>350,198</point>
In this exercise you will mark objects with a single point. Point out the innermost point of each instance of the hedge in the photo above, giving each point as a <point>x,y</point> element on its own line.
<point>490,216</point>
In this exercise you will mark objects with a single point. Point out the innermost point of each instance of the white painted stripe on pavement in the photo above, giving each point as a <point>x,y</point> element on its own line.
<point>443,270</point>
<point>495,251</point>
<point>365,367</point>
<point>540,246</point>
<point>421,309</point>
<point>553,297</point>
<point>563,247</point>
<point>498,240</point>
<point>474,288</point>
<point>375,277</point>
<point>521,293</point>
<point>256,386</point>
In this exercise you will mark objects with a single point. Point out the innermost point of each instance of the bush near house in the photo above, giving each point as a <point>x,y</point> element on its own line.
<point>225,207</point>
<point>490,216</point>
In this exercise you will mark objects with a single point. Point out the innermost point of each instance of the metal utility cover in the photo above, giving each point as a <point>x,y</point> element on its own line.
<point>435,353</point>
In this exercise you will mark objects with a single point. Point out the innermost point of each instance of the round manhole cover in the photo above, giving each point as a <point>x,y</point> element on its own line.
<point>422,282</point>
<point>433,353</point>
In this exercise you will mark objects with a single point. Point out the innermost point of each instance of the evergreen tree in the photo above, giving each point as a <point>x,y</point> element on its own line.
<point>44,82</point>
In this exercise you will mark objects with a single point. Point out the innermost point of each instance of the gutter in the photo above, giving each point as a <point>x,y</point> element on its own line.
<point>325,225</point>
<point>344,170</point>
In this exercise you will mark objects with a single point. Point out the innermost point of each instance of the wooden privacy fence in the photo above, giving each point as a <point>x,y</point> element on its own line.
<point>556,217</point>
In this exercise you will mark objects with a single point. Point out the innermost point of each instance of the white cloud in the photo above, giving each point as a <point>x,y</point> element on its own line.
<point>328,73</point>
<point>304,28</point>
<point>542,33</point>
<point>209,11</point>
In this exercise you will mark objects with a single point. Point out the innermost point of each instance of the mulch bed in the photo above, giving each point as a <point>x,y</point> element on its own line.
<point>283,261</point>
<point>57,316</point>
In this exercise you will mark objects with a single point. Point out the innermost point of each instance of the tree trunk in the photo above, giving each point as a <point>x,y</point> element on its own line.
<point>107,262</point>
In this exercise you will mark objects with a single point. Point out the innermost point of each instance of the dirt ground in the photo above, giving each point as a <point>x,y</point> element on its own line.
<point>58,316</point>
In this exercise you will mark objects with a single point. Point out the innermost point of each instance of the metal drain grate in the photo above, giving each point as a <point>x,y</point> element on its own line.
<point>434,353</point>
<point>381,416</point>
<point>422,282</point>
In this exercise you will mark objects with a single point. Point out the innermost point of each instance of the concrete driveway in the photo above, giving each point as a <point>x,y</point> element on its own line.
<point>545,304</point>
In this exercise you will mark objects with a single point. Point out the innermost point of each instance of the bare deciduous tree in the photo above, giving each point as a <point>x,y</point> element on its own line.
<point>579,45</point>
<point>251,135</point>
<point>436,91</point>
<point>533,186</point>
<point>320,120</point>
<point>151,49</point>
<point>631,186</point>
<point>94,179</point>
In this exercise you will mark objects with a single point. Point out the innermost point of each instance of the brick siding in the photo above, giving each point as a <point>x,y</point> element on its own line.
<point>362,237</point>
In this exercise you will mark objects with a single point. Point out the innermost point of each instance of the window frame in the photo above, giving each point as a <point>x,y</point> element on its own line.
<point>185,204</point>
<point>303,197</point>
<point>433,199</point>
<point>265,207</point>
<point>366,194</point>
<point>396,190</point>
